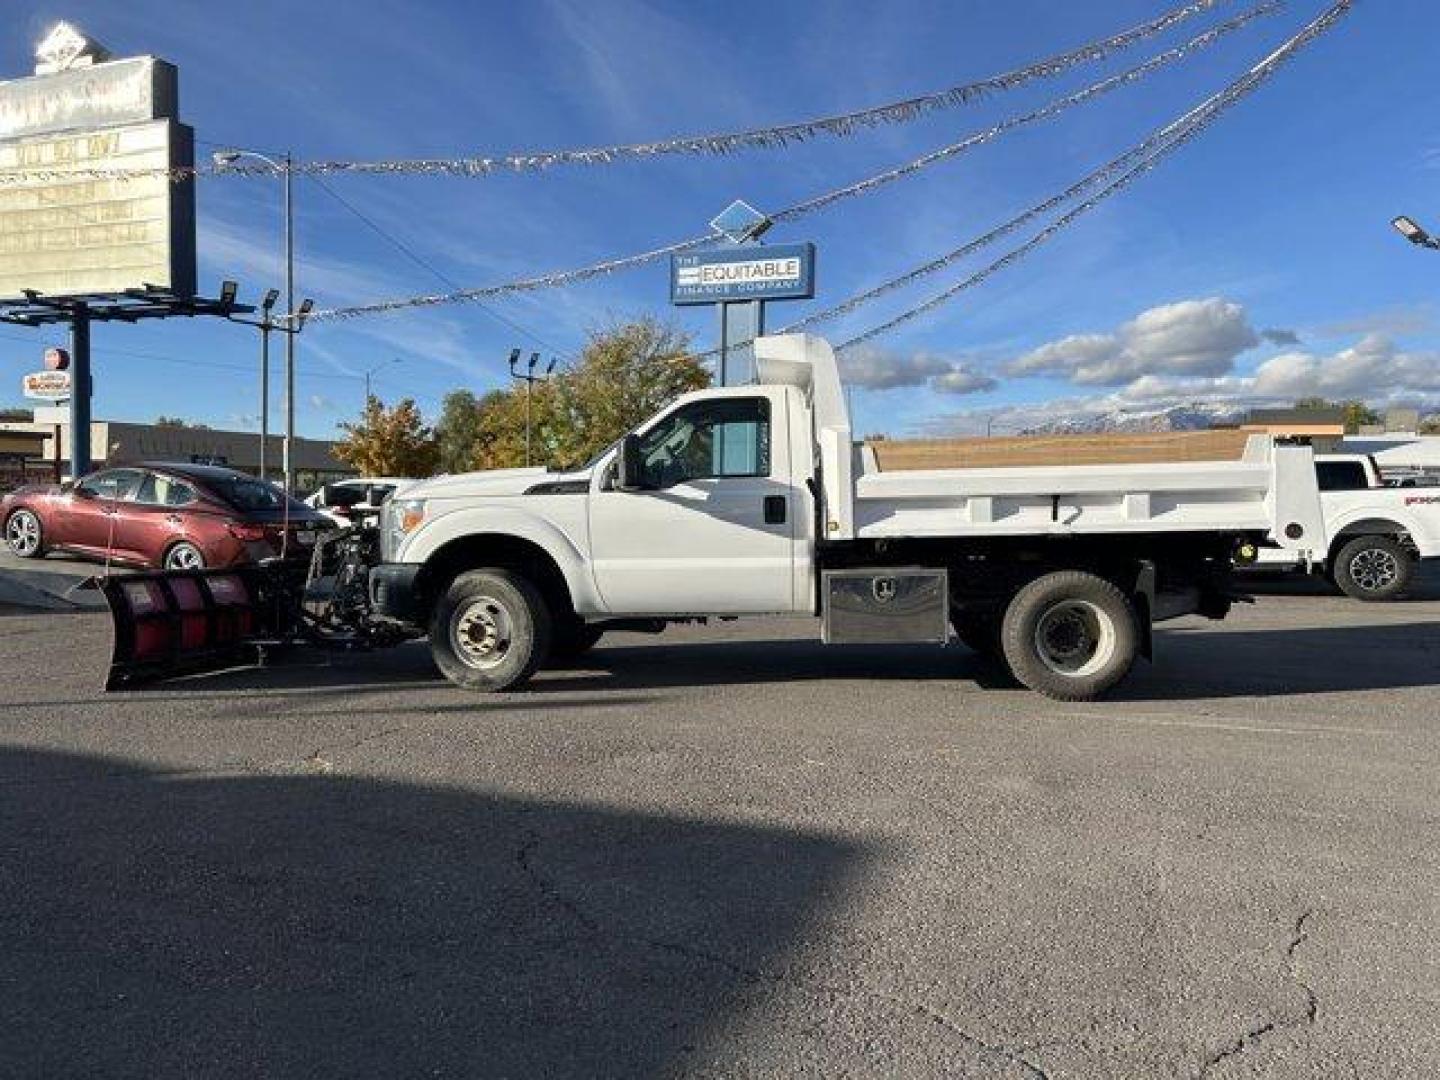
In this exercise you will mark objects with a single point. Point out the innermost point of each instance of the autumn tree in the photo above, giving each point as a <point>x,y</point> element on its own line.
<point>389,442</point>
<point>624,374</point>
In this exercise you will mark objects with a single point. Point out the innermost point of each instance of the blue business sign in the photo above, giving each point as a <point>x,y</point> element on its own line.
<point>752,272</point>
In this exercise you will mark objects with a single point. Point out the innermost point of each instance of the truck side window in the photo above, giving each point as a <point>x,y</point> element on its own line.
<point>709,440</point>
<point>1341,475</point>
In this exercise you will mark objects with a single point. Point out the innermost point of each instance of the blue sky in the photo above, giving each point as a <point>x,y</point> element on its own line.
<point>1274,220</point>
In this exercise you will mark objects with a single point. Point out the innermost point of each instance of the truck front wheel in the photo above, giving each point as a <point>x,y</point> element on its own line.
<point>490,631</point>
<point>1070,635</point>
<point>1373,568</point>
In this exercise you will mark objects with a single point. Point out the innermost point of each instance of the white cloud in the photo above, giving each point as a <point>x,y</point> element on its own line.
<point>886,369</point>
<point>1191,337</point>
<point>1374,368</point>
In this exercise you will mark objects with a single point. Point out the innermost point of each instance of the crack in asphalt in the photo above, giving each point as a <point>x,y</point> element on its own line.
<point>1258,1033</point>
<point>524,860</point>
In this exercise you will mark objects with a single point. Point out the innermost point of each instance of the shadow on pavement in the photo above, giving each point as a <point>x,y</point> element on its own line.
<point>163,924</point>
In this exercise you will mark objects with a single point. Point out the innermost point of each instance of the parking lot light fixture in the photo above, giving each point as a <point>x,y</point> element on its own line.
<point>1414,232</point>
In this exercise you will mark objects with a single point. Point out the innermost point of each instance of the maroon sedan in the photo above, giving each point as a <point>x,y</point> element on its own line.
<point>171,516</point>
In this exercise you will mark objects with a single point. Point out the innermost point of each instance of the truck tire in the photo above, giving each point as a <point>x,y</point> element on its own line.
<point>1070,635</point>
<point>571,640</point>
<point>490,631</point>
<point>1373,568</point>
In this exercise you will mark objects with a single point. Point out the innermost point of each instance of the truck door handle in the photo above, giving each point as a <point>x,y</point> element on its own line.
<point>775,509</point>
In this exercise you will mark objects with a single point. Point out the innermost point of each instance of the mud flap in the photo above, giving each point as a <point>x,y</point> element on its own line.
<point>179,622</point>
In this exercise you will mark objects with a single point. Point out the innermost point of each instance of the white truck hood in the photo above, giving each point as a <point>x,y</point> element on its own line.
<point>492,484</point>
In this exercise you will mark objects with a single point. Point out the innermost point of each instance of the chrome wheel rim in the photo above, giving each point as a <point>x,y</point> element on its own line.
<point>481,633</point>
<point>1074,638</point>
<point>1374,568</point>
<point>23,532</point>
<point>184,557</point>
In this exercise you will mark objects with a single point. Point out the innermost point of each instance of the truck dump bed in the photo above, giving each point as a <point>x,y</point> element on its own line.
<point>1068,484</point>
<point>906,455</point>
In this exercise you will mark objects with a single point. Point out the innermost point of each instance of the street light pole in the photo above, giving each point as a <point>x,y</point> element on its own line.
<point>285,167</point>
<point>529,378</point>
<point>372,371</point>
<point>289,338</point>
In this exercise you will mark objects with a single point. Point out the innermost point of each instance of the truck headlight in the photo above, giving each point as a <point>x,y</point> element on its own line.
<point>402,517</point>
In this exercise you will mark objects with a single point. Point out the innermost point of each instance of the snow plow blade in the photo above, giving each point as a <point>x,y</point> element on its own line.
<point>181,622</point>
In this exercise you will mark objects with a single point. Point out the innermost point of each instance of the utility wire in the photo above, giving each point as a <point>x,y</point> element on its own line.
<point>410,253</point>
<point>777,136</point>
<point>1174,135</point>
<point>817,202</point>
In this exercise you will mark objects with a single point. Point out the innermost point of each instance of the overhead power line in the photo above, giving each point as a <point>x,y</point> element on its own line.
<point>782,135</point>
<point>411,254</point>
<point>1170,139</point>
<point>817,202</point>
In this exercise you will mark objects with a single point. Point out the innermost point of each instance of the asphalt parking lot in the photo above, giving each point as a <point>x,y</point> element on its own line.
<point>731,852</point>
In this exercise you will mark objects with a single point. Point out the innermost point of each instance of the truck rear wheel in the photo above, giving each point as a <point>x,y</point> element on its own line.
<point>1373,568</point>
<point>490,631</point>
<point>1070,635</point>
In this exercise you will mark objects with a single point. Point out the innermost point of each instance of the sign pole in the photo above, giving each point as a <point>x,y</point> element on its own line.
<point>265,395</point>
<point>80,391</point>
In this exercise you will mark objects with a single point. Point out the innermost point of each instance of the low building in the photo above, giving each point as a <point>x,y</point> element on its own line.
<point>1324,427</point>
<point>22,460</point>
<point>118,443</point>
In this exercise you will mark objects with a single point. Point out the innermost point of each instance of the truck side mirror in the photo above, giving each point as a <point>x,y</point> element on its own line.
<point>629,469</point>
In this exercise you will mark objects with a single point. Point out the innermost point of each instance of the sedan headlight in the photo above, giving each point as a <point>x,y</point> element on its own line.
<point>402,517</point>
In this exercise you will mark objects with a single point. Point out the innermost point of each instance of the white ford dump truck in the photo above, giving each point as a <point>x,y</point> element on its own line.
<point>755,500</point>
<point>1375,531</point>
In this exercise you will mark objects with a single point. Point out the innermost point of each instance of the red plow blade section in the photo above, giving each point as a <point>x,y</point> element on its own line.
<point>179,622</point>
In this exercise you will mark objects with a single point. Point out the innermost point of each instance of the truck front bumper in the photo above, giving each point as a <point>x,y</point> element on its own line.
<point>396,592</point>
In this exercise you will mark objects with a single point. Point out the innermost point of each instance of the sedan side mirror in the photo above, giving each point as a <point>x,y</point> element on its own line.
<point>630,469</point>
<point>81,492</point>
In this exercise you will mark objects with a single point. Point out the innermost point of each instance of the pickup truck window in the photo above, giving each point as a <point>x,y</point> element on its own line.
<point>1341,476</point>
<point>708,440</point>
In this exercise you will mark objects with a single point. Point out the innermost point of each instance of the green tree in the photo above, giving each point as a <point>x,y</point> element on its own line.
<point>1430,425</point>
<point>11,414</point>
<point>458,431</point>
<point>1357,413</point>
<point>389,442</point>
<point>625,373</point>
<point>177,422</point>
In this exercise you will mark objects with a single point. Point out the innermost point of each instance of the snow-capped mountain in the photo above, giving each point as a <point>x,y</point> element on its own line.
<point>1194,417</point>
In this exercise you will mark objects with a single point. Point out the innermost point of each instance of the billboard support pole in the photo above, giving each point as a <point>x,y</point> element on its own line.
<point>79,391</point>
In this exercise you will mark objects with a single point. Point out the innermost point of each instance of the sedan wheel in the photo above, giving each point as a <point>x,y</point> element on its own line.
<point>22,534</point>
<point>184,557</point>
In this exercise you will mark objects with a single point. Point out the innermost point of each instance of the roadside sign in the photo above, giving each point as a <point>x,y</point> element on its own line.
<point>56,359</point>
<point>46,385</point>
<point>52,414</point>
<point>777,272</point>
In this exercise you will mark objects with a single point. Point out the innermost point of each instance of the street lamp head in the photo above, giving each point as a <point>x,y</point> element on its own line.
<point>306,306</point>
<point>228,291</point>
<point>534,359</point>
<point>1408,228</point>
<point>514,359</point>
<point>267,305</point>
<point>225,158</point>
<point>550,368</point>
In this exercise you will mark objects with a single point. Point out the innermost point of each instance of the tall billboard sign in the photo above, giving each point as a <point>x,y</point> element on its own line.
<point>88,205</point>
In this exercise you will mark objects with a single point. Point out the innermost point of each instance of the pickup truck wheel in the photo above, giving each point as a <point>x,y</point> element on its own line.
<point>1070,635</point>
<point>490,631</point>
<point>1373,568</point>
<point>571,640</point>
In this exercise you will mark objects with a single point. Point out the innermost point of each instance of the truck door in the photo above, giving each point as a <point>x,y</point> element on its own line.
<point>713,530</point>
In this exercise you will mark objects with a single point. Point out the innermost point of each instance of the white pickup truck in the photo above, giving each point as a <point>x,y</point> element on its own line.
<point>755,500</point>
<point>1376,530</point>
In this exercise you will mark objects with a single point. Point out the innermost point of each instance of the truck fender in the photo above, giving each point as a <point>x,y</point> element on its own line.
<point>1392,523</point>
<point>519,524</point>
<point>1143,597</point>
